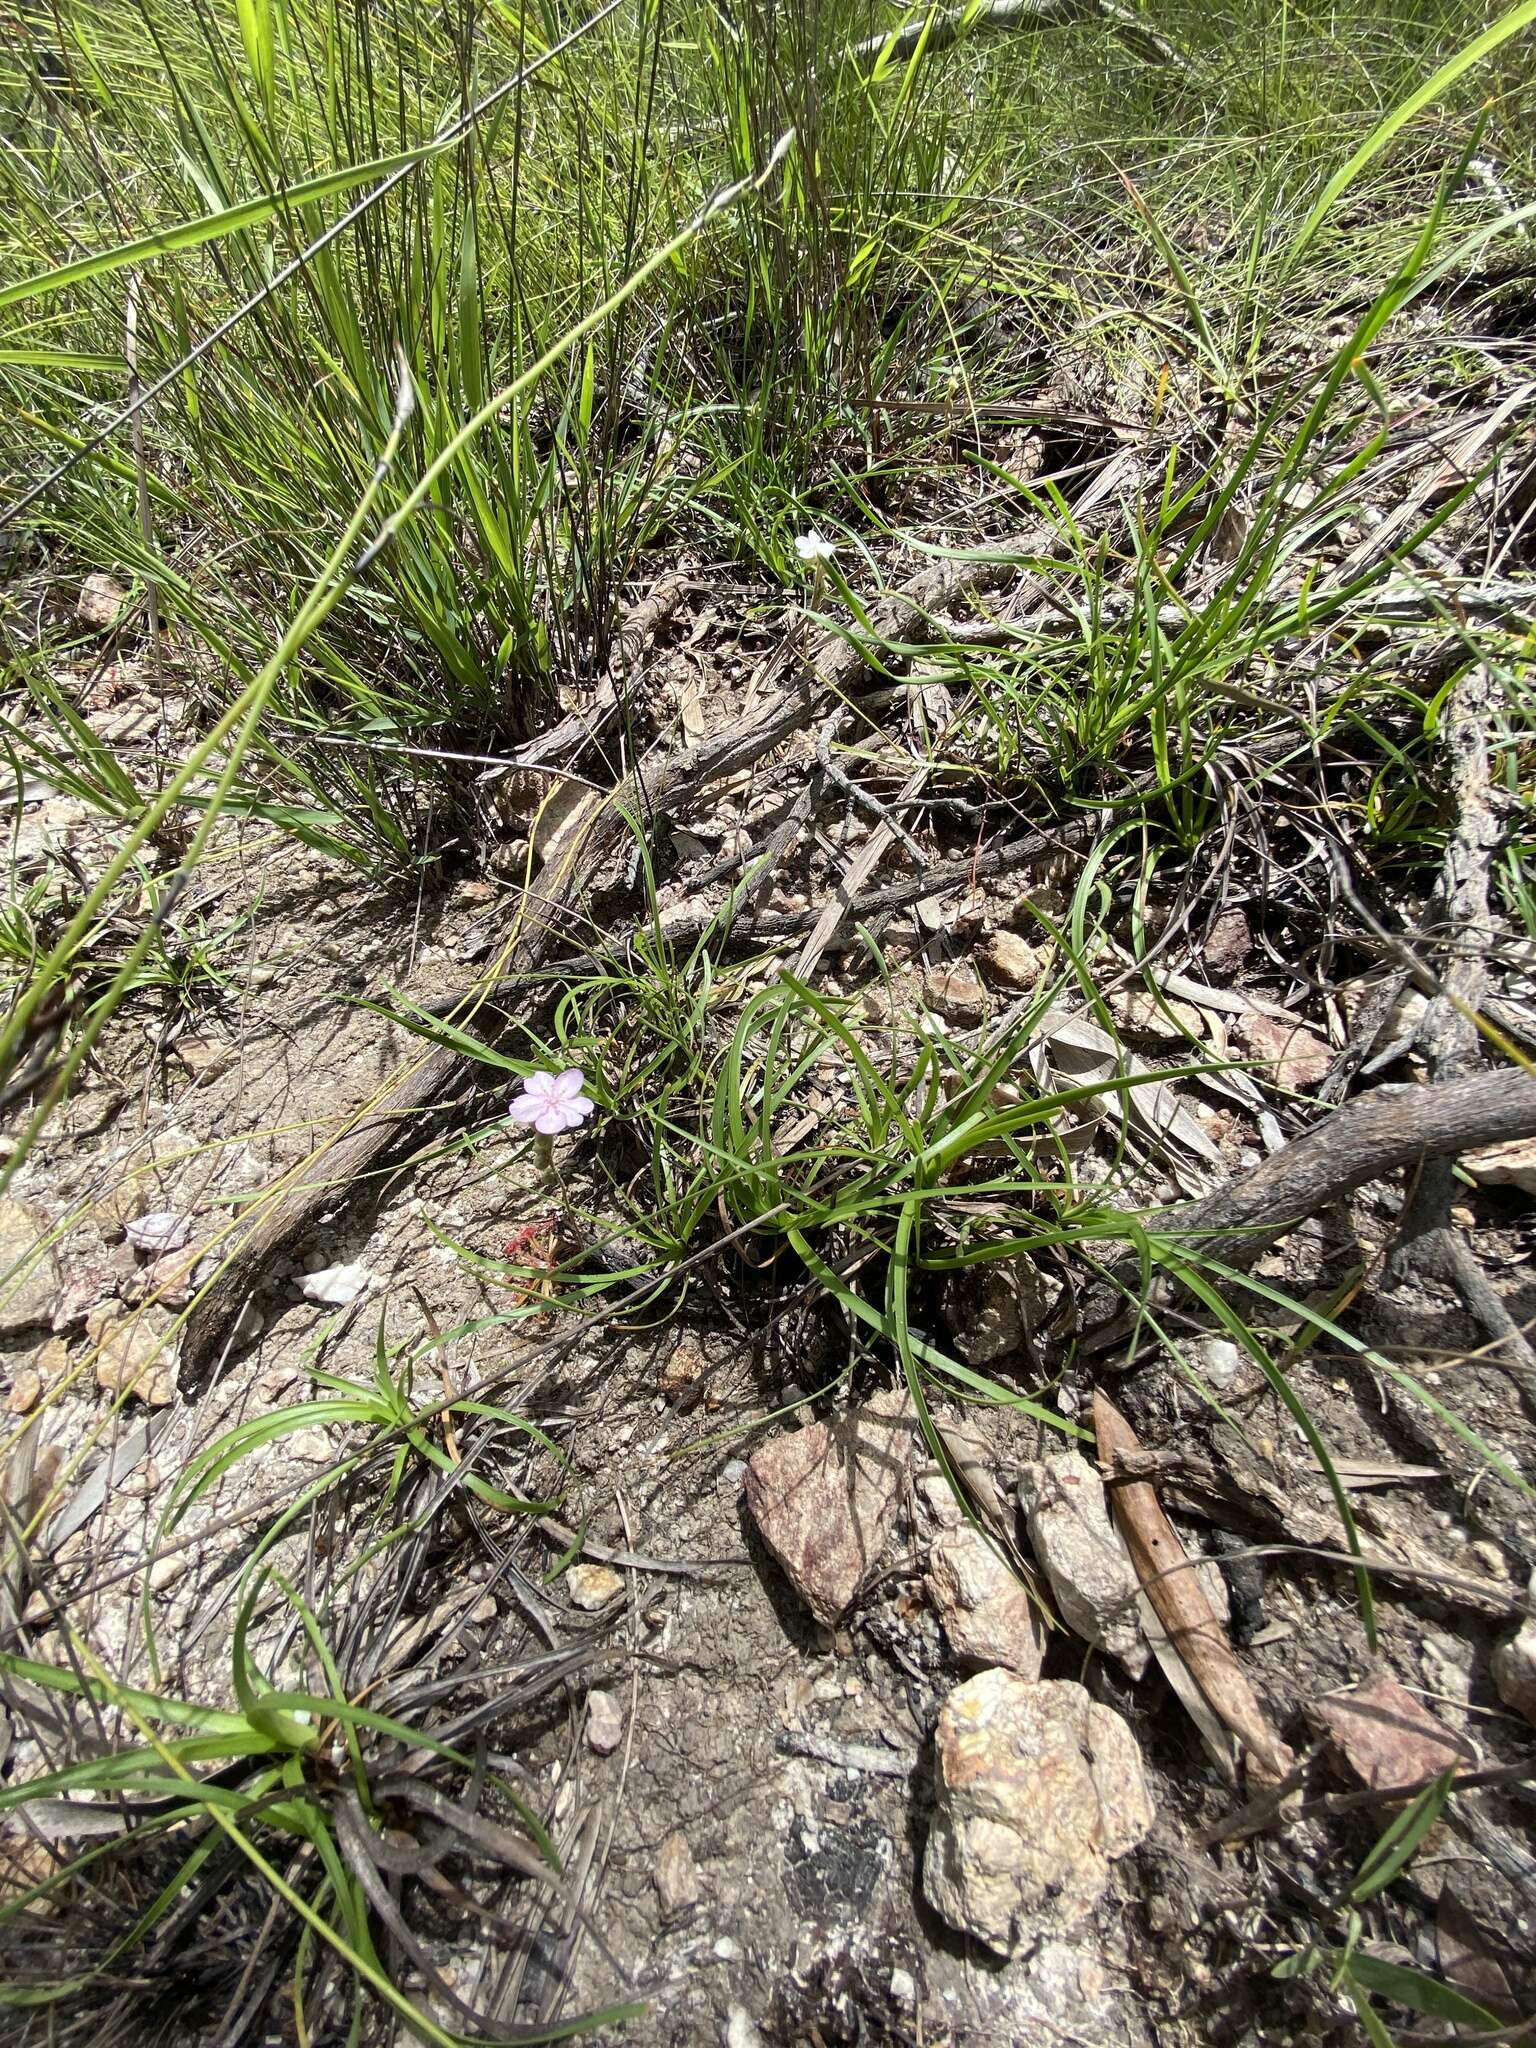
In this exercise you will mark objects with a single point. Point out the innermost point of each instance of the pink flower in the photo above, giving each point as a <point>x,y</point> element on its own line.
<point>553,1102</point>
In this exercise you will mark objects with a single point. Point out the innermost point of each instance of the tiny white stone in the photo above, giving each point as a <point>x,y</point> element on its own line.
<point>161,1231</point>
<point>739,2029</point>
<point>726,1951</point>
<point>903,1987</point>
<point>335,1286</point>
<point>1219,1359</point>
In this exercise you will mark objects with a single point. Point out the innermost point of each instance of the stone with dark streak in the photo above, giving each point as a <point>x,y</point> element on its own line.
<point>1383,1737</point>
<point>824,1499</point>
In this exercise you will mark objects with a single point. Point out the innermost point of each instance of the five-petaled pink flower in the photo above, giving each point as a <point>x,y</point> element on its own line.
<point>553,1103</point>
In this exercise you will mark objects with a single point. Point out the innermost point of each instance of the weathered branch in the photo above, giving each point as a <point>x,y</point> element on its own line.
<point>1023,17</point>
<point>1377,1134</point>
<point>1429,1245</point>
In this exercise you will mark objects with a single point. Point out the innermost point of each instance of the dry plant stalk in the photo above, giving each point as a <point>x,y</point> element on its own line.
<point>1173,1587</point>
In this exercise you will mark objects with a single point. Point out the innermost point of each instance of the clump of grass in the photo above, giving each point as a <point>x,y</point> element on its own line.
<point>268,1844</point>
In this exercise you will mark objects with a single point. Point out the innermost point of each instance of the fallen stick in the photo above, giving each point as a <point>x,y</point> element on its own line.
<point>1172,1585</point>
<point>1429,1246</point>
<point>1377,1134</point>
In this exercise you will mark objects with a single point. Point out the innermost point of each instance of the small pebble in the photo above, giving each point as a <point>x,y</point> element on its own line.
<point>605,1722</point>
<point>26,1392</point>
<point>165,1571</point>
<point>593,1585</point>
<point>335,1286</point>
<point>1219,1360</point>
<point>1491,1558</point>
<point>161,1232</point>
<point>675,1876</point>
<point>726,1951</point>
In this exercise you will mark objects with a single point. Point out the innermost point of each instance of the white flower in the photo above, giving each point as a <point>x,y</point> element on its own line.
<point>812,549</point>
<point>160,1232</point>
<point>553,1102</point>
<point>335,1286</point>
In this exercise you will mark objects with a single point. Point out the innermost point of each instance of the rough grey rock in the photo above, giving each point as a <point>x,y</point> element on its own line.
<point>1092,1578</point>
<point>1037,1789</point>
<point>956,993</point>
<point>1514,1671</point>
<point>1514,1666</point>
<point>988,1617</point>
<point>992,1308</point>
<point>161,1231</point>
<point>1298,1057</point>
<point>1383,1737</point>
<point>137,1355</point>
<point>84,1285</point>
<point>101,601</point>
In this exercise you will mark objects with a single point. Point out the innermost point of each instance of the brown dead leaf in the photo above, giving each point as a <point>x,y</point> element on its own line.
<point>1173,1589</point>
<point>564,814</point>
<point>971,1457</point>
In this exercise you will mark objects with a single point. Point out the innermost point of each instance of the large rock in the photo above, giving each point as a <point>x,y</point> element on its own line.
<point>824,1499</point>
<point>988,1617</point>
<point>25,1300</point>
<point>1037,1789</point>
<point>1094,1582</point>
